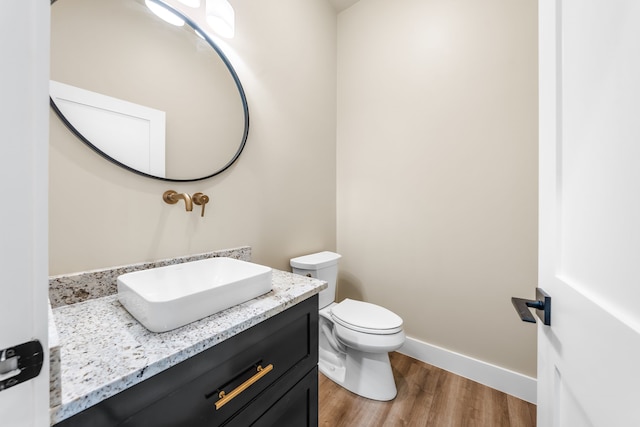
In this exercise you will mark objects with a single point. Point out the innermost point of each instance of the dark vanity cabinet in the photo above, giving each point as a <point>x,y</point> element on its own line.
<point>264,376</point>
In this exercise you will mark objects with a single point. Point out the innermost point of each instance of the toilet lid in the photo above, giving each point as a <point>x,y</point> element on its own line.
<point>365,317</point>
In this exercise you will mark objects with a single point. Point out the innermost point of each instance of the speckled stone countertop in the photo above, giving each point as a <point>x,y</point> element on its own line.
<point>104,350</point>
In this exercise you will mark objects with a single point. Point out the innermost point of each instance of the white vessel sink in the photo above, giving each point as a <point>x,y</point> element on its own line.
<point>166,298</point>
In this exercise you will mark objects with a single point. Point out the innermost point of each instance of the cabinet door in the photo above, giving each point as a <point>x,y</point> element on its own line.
<point>197,403</point>
<point>297,408</point>
<point>291,402</point>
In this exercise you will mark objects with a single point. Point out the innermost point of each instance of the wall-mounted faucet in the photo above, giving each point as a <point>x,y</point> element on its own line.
<point>172,197</point>
<point>200,199</point>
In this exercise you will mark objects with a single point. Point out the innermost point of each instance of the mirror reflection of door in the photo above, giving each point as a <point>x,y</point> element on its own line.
<point>121,50</point>
<point>132,133</point>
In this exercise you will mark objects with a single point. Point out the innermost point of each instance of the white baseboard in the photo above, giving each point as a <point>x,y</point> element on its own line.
<point>504,380</point>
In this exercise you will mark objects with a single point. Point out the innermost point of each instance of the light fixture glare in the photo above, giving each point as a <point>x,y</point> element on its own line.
<point>221,17</point>
<point>190,3</point>
<point>164,13</point>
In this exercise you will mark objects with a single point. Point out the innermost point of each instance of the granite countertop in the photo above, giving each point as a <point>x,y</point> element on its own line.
<point>104,350</point>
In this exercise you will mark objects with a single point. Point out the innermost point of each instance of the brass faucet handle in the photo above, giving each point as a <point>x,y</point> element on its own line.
<point>200,199</point>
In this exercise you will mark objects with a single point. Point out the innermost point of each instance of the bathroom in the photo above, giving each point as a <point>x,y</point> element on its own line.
<point>402,135</point>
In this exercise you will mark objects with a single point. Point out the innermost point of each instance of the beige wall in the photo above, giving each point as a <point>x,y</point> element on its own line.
<point>437,169</point>
<point>278,198</point>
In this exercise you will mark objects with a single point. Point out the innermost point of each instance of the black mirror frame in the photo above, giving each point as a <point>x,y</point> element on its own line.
<point>236,79</point>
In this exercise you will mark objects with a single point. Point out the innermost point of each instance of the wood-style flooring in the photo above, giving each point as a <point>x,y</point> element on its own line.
<point>427,396</point>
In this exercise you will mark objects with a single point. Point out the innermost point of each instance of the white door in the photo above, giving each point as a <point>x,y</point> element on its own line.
<point>589,358</point>
<point>24,133</point>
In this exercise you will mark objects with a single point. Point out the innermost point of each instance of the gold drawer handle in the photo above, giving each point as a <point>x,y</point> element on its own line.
<point>226,398</point>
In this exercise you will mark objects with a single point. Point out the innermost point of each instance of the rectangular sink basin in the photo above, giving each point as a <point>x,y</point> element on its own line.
<point>166,298</point>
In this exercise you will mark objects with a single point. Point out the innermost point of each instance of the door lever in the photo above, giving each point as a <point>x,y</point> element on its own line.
<point>542,304</point>
<point>20,363</point>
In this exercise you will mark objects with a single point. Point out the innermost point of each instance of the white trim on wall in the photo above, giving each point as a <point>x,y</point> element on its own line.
<point>504,380</point>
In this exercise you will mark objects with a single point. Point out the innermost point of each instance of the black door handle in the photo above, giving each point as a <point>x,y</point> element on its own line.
<point>542,304</point>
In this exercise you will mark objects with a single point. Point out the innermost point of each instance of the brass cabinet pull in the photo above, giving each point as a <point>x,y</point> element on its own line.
<point>226,398</point>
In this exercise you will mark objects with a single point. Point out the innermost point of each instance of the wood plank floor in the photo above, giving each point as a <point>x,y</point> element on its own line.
<point>427,396</point>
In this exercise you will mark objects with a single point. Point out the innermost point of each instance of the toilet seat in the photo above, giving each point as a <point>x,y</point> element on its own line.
<point>366,317</point>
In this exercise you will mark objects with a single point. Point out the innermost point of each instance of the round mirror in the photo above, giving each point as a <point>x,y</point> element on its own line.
<point>156,99</point>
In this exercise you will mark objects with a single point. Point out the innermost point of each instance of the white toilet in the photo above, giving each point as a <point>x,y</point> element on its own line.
<point>355,337</point>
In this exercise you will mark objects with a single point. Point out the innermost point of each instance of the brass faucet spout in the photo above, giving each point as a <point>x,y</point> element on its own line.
<point>188,203</point>
<point>172,197</point>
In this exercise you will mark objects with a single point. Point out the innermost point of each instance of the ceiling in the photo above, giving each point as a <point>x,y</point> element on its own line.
<point>341,5</point>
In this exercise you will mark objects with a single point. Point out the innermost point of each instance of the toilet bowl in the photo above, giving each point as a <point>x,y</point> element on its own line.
<point>355,336</point>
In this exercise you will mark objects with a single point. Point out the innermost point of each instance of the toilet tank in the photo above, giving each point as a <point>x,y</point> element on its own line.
<point>322,266</point>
